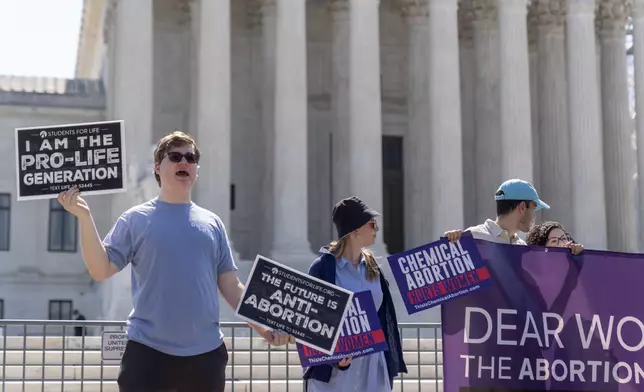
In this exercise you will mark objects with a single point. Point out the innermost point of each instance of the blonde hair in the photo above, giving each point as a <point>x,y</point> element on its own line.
<point>338,248</point>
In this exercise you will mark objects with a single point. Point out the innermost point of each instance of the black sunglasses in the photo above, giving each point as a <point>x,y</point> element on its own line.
<point>176,157</point>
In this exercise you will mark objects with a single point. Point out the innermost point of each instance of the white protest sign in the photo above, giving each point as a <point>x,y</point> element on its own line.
<point>113,345</point>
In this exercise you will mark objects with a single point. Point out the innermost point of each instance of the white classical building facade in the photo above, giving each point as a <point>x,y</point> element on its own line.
<point>420,107</point>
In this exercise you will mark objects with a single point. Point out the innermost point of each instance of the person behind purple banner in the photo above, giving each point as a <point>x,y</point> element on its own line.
<point>180,256</point>
<point>516,203</point>
<point>554,234</point>
<point>549,233</point>
<point>348,264</point>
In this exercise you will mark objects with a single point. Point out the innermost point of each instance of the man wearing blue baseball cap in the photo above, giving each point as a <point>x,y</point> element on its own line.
<point>516,287</point>
<point>516,202</point>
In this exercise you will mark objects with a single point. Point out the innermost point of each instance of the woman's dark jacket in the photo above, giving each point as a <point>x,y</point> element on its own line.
<point>324,268</point>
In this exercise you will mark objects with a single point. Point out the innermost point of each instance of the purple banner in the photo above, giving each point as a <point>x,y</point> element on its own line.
<point>551,321</point>
<point>361,334</point>
<point>431,274</point>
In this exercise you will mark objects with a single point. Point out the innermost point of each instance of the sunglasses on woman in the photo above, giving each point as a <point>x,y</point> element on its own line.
<point>176,157</point>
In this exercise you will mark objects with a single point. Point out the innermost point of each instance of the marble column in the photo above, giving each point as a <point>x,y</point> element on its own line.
<point>554,137</point>
<point>516,127</point>
<point>444,185</point>
<point>365,108</point>
<point>265,68</point>
<point>254,159</point>
<point>638,44</point>
<point>416,142</point>
<point>129,36</point>
<point>533,65</point>
<point>487,100</point>
<point>341,149</point>
<point>586,155</point>
<point>132,65</point>
<point>619,155</point>
<point>290,220</point>
<point>468,83</point>
<point>214,106</point>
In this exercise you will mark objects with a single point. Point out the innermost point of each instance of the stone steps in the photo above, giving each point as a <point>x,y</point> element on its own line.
<point>47,367</point>
<point>239,386</point>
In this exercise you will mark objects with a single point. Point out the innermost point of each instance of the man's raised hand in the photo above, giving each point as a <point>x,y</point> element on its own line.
<point>73,203</point>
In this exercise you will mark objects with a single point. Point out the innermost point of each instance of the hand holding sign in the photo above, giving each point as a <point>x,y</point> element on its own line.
<point>277,338</point>
<point>439,271</point>
<point>361,335</point>
<point>344,364</point>
<point>51,159</point>
<point>453,235</point>
<point>73,203</point>
<point>281,298</point>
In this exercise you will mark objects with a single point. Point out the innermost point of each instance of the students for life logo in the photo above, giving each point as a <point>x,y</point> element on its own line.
<point>43,134</point>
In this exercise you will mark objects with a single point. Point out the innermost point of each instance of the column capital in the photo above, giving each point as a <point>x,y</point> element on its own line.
<point>413,10</point>
<point>581,7</point>
<point>338,6</point>
<point>612,15</point>
<point>550,13</point>
<point>533,27</point>
<point>484,10</point>
<point>258,9</point>
<point>185,7</point>
<point>261,6</point>
<point>465,23</point>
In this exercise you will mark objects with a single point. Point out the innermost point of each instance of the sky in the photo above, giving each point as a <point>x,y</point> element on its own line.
<point>39,37</point>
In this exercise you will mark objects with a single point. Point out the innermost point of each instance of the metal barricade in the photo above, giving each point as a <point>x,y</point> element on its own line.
<point>43,355</point>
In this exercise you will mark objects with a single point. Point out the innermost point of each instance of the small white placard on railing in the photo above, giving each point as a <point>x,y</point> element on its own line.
<point>113,345</point>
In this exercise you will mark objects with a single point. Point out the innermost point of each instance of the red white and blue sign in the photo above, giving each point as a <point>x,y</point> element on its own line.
<point>361,334</point>
<point>439,271</point>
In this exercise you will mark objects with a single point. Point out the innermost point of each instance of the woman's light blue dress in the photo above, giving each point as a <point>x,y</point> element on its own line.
<point>368,373</point>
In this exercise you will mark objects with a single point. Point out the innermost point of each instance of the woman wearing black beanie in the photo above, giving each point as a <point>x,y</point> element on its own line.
<point>348,264</point>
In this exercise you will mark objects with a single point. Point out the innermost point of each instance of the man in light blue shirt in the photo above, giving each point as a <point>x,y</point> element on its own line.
<point>180,257</point>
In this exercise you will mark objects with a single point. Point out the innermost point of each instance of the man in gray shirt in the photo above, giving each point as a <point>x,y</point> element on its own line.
<point>180,256</point>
